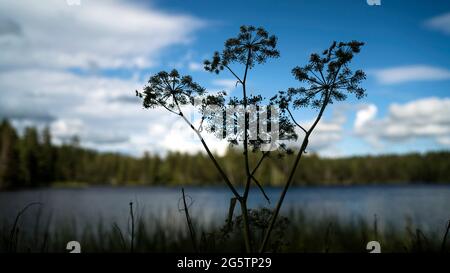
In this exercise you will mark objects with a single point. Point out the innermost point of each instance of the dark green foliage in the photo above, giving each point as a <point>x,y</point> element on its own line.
<point>9,155</point>
<point>31,161</point>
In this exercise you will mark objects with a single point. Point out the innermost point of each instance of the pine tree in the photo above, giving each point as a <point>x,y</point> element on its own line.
<point>9,156</point>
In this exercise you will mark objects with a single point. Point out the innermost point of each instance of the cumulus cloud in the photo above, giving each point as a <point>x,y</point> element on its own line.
<point>64,129</point>
<point>179,137</point>
<point>326,136</point>
<point>327,133</point>
<point>440,23</point>
<point>365,115</point>
<point>95,34</point>
<point>9,27</point>
<point>225,84</point>
<point>102,111</point>
<point>422,118</point>
<point>194,66</point>
<point>403,74</point>
<point>21,113</point>
<point>44,48</point>
<point>75,103</point>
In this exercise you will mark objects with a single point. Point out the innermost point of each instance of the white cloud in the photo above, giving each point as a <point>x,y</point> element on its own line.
<point>64,129</point>
<point>103,112</point>
<point>422,118</point>
<point>194,66</point>
<point>327,134</point>
<point>365,115</point>
<point>188,61</point>
<point>411,73</point>
<point>95,34</point>
<point>178,136</point>
<point>444,140</point>
<point>440,23</point>
<point>225,84</point>
<point>41,41</point>
<point>84,106</point>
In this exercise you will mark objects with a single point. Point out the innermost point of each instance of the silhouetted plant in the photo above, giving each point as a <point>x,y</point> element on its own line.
<point>327,78</point>
<point>258,220</point>
<point>14,234</point>
<point>132,227</point>
<point>444,240</point>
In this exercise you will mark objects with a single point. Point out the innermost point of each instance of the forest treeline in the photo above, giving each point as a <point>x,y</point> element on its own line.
<point>31,160</point>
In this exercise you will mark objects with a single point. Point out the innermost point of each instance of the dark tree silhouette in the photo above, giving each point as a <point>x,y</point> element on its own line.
<point>327,78</point>
<point>71,163</point>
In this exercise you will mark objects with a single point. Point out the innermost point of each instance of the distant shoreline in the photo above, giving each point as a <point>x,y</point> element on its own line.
<point>83,185</point>
<point>33,160</point>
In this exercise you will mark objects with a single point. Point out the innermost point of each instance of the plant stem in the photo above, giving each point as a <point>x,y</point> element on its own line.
<point>122,239</point>
<point>283,194</point>
<point>247,165</point>
<point>132,227</point>
<point>225,178</point>
<point>14,230</point>
<point>246,127</point>
<point>211,156</point>
<point>247,240</point>
<point>444,241</point>
<point>291,175</point>
<point>189,222</point>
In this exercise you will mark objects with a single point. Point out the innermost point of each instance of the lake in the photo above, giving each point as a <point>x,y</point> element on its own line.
<point>426,206</point>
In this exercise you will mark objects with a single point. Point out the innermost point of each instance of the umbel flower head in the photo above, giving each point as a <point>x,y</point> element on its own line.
<point>252,45</point>
<point>170,90</point>
<point>327,78</point>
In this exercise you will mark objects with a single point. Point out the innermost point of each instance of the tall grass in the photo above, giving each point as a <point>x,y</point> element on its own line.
<point>293,233</point>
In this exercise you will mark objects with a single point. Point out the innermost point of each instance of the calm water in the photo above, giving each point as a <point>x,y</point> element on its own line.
<point>428,207</point>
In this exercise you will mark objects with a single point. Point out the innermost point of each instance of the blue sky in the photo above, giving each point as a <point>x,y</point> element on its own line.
<point>82,82</point>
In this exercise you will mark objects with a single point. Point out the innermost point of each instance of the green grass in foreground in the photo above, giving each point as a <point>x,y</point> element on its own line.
<point>298,234</point>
